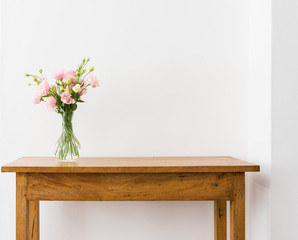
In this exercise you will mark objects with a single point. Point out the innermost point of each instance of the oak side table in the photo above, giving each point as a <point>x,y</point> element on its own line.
<point>218,179</point>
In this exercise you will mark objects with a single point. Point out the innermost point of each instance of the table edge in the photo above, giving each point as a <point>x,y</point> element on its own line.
<point>167,169</point>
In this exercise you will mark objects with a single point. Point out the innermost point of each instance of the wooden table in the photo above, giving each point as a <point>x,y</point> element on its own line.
<point>219,179</point>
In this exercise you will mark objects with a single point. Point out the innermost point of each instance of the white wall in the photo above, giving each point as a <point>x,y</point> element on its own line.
<point>259,120</point>
<point>284,119</point>
<point>174,82</point>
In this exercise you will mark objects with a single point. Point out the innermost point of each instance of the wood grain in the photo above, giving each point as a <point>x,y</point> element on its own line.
<point>131,165</point>
<point>33,230</point>
<point>21,207</point>
<point>220,220</point>
<point>132,179</point>
<point>130,187</point>
<point>237,209</point>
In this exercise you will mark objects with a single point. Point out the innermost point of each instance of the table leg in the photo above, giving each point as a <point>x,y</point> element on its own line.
<point>237,207</point>
<point>21,207</point>
<point>33,220</point>
<point>220,220</point>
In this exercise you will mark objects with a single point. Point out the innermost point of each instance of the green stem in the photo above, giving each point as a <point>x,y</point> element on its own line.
<point>67,145</point>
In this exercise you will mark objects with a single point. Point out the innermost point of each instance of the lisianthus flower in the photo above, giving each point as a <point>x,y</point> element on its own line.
<point>71,74</point>
<point>59,75</point>
<point>92,80</point>
<point>42,89</point>
<point>66,98</point>
<point>77,88</point>
<point>51,103</point>
<point>37,98</point>
<point>81,80</point>
<point>53,87</point>
<point>71,86</point>
<point>83,86</point>
<point>84,91</point>
<point>83,83</point>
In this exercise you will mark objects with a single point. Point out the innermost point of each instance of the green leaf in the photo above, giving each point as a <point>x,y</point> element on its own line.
<point>48,95</point>
<point>74,106</point>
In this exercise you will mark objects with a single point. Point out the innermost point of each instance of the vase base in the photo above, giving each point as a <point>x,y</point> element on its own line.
<point>68,160</point>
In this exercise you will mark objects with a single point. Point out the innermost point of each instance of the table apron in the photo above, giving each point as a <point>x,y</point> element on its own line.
<point>130,186</point>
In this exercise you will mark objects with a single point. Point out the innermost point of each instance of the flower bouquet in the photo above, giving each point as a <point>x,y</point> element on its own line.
<point>62,96</point>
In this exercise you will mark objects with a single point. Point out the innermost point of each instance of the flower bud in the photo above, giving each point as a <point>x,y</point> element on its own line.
<point>88,59</point>
<point>27,75</point>
<point>68,81</point>
<point>40,70</point>
<point>67,90</point>
<point>61,88</point>
<point>35,79</point>
<point>91,69</point>
<point>84,60</point>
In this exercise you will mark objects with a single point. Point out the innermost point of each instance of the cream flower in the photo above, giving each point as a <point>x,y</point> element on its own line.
<point>77,88</point>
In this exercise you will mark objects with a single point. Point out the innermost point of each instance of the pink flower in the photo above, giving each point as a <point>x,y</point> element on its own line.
<point>81,80</point>
<point>37,98</point>
<point>42,89</point>
<point>66,98</point>
<point>59,75</point>
<point>53,87</point>
<point>92,80</point>
<point>63,76</point>
<point>83,85</point>
<point>51,103</point>
<point>71,74</point>
<point>83,93</point>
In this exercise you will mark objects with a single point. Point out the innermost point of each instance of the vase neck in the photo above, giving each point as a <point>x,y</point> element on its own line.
<point>67,120</point>
<point>67,116</point>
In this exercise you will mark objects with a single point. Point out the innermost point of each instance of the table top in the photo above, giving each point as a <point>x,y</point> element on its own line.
<point>130,165</point>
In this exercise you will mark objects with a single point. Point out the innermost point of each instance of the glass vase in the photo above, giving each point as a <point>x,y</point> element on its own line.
<point>67,145</point>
